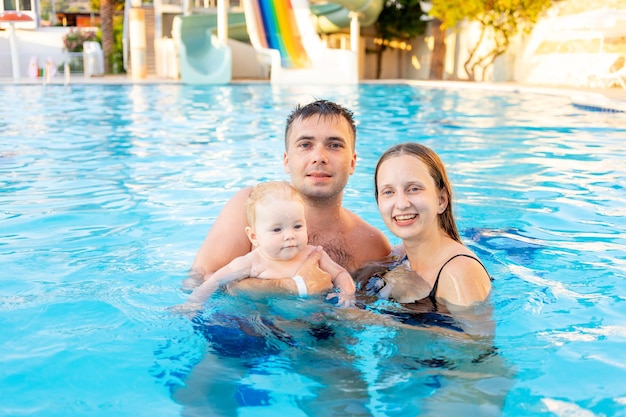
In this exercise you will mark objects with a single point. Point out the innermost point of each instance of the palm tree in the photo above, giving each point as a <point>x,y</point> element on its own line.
<point>107,8</point>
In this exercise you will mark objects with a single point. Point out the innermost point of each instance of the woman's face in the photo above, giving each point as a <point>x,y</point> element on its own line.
<point>408,198</point>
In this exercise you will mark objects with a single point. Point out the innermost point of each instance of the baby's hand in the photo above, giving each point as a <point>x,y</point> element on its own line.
<point>343,300</point>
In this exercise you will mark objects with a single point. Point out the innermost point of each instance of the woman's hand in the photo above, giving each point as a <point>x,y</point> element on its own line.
<point>404,286</point>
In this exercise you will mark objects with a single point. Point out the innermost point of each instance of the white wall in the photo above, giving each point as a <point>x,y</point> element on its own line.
<point>521,63</point>
<point>569,67</point>
<point>42,43</point>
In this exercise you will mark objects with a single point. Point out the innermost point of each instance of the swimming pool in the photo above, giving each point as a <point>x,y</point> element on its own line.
<point>106,193</point>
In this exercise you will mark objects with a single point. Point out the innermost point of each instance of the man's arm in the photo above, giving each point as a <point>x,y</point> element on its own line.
<point>227,239</point>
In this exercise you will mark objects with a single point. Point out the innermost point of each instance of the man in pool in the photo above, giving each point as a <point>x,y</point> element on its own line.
<point>319,157</point>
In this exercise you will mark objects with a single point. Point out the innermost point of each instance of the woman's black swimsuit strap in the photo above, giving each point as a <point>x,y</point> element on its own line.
<point>433,292</point>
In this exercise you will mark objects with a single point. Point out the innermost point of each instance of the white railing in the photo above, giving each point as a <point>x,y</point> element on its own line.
<point>55,63</point>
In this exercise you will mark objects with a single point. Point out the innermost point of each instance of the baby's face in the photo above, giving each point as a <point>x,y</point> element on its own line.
<point>280,228</point>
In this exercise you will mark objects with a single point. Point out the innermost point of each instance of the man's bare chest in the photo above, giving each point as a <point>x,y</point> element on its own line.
<point>337,248</point>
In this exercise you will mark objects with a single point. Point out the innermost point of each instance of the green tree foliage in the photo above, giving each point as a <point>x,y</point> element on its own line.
<point>400,21</point>
<point>117,56</point>
<point>118,5</point>
<point>45,8</point>
<point>499,21</point>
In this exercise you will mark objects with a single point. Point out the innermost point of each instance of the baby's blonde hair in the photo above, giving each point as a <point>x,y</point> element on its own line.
<point>265,191</point>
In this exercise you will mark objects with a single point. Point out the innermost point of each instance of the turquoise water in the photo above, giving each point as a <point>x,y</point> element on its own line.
<point>106,193</point>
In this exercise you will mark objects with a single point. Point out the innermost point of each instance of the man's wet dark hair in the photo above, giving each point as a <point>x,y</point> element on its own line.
<point>320,108</point>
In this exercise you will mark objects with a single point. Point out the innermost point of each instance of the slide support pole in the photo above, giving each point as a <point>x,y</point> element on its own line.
<point>222,20</point>
<point>355,31</point>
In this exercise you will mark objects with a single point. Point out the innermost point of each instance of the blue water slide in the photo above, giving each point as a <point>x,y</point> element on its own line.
<point>334,15</point>
<point>203,58</point>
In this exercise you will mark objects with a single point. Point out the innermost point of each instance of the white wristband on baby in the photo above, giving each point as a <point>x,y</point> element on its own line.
<point>302,292</point>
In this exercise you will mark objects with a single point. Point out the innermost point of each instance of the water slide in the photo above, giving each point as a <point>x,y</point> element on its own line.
<point>286,32</point>
<point>334,16</point>
<point>203,58</point>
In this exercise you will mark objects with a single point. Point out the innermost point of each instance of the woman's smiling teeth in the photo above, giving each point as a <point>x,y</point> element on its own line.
<point>404,217</point>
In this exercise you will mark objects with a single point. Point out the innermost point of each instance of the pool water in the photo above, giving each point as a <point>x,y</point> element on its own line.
<point>106,193</point>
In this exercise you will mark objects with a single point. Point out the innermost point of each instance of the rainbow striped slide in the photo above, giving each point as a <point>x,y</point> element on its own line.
<point>276,26</point>
<point>286,37</point>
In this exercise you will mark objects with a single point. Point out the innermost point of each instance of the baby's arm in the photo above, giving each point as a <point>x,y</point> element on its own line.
<point>239,268</point>
<point>345,284</point>
<point>341,280</point>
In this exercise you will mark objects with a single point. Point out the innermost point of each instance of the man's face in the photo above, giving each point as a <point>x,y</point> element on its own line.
<point>320,156</point>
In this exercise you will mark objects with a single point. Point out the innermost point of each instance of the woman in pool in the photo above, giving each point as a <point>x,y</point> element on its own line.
<point>414,198</point>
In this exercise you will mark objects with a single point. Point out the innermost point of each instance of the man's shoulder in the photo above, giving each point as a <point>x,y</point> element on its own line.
<point>359,227</point>
<point>369,241</point>
<point>241,194</point>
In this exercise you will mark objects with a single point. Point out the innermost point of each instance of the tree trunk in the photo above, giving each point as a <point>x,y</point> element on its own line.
<point>106,26</point>
<point>438,56</point>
